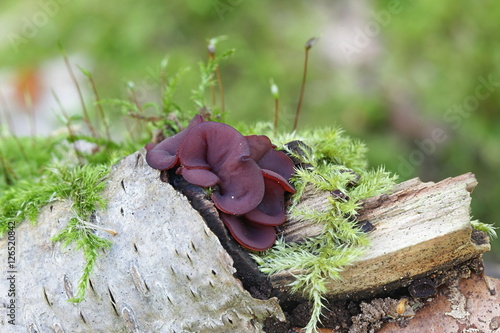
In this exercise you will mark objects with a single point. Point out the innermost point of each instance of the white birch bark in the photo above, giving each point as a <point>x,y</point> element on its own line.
<point>165,272</point>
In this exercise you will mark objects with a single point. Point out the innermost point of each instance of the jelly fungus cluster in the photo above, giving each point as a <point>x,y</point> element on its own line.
<point>248,175</point>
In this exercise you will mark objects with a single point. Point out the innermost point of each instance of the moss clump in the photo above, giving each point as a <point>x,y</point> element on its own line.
<point>484,227</point>
<point>334,162</point>
<point>38,171</point>
<point>26,158</point>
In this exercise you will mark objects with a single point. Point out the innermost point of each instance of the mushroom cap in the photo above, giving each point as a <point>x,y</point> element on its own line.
<point>222,150</point>
<point>251,235</point>
<point>271,210</point>
<point>163,156</point>
<point>199,177</point>
<point>259,145</point>
<point>279,179</point>
<point>263,152</point>
<point>251,176</point>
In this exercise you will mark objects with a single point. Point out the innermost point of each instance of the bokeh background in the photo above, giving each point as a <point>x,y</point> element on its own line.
<point>418,81</point>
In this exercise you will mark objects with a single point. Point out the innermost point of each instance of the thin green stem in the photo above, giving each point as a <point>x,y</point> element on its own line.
<point>86,117</point>
<point>221,90</point>
<point>163,77</point>
<point>308,46</point>
<point>302,88</point>
<point>99,107</point>
<point>29,104</point>
<point>68,126</point>
<point>276,116</point>
<point>211,57</point>
<point>135,101</point>
<point>9,174</point>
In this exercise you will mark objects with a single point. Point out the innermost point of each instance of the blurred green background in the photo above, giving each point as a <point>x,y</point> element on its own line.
<point>418,81</point>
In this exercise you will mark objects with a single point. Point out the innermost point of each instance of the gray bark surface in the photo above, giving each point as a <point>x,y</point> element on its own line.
<point>165,272</point>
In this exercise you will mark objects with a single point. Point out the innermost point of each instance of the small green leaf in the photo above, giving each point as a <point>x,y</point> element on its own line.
<point>84,71</point>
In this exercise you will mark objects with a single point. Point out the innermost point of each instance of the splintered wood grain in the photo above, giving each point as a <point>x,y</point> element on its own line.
<point>419,228</point>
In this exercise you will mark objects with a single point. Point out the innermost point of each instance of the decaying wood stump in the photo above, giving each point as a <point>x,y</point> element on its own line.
<point>167,271</point>
<point>420,228</point>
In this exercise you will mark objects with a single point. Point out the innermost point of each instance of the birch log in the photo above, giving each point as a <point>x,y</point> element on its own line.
<point>165,272</point>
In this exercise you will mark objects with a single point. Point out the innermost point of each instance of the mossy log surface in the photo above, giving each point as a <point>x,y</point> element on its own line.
<point>420,228</point>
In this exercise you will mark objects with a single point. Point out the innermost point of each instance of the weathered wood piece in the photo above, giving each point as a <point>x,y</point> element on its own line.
<point>419,228</point>
<point>165,272</point>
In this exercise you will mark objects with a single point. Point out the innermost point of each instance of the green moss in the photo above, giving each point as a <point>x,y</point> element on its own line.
<point>38,171</point>
<point>334,162</point>
<point>83,186</point>
<point>25,158</point>
<point>24,187</point>
<point>485,227</point>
